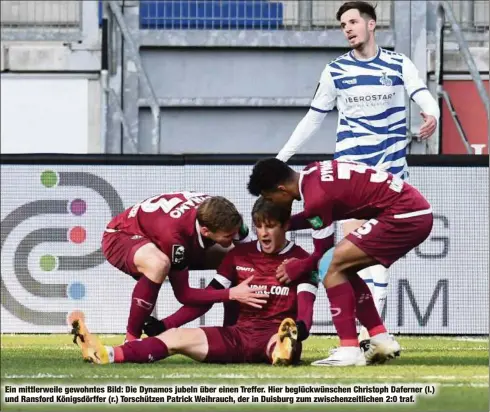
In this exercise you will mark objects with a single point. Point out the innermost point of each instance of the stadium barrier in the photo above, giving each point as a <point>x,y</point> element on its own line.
<point>54,209</point>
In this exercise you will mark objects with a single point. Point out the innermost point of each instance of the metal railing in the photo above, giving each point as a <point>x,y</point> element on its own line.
<point>444,11</point>
<point>46,20</point>
<point>471,15</point>
<point>143,76</point>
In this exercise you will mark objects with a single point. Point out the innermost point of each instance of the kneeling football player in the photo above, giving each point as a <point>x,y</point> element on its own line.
<point>271,334</point>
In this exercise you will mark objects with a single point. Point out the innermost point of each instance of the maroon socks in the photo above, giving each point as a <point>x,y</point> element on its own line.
<point>143,300</point>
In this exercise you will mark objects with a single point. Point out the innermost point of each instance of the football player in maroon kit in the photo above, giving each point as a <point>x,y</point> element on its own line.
<point>167,235</point>
<point>271,334</point>
<point>398,218</point>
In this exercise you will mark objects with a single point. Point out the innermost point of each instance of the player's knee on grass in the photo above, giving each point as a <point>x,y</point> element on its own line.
<point>152,262</point>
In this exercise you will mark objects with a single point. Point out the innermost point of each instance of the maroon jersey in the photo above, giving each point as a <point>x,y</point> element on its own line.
<point>169,221</point>
<point>246,260</point>
<point>338,190</point>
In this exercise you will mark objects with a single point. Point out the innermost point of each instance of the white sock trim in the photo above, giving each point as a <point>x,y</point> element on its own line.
<point>110,352</point>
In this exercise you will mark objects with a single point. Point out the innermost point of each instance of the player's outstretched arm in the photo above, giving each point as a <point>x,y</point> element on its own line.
<point>293,269</point>
<point>299,222</point>
<point>242,293</point>
<point>188,313</point>
<point>306,128</point>
<point>323,102</point>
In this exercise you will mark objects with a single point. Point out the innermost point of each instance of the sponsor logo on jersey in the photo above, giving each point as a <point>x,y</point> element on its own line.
<point>178,255</point>
<point>370,99</point>
<point>352,82</point>
<point>316,222</point>
<point>245,269</point>
<point>274,290</point>
<point>136,237</point>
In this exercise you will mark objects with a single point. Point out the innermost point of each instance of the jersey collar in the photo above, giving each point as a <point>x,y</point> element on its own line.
<point>378,52</point>
<point>283,251</point>
<point>204,242</point>
<point>199,236</point>
<point>300,182</point>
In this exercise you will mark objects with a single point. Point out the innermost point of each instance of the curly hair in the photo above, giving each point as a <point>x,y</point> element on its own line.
<point>267,174</point>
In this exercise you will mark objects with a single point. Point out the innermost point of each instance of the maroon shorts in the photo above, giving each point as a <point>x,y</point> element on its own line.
<point>390,237</point>
<point>119,249</point>
<point>235,344</point>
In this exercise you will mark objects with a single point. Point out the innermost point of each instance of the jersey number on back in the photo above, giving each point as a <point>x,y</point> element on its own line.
<point>344,171</point>
<point>169,205</point>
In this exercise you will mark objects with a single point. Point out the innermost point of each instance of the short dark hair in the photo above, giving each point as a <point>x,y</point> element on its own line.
<point>266,211</point>
<point>218,214</point>
<point>364,8</point>
<point>267,174</point>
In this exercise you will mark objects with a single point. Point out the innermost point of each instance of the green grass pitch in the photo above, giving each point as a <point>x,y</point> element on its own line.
<point>460,368</point>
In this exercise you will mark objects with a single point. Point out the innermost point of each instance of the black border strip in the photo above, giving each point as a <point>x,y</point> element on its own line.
<point>217,159</point>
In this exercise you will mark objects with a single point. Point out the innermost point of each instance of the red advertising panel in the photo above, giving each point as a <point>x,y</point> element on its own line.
<point>472,115</point>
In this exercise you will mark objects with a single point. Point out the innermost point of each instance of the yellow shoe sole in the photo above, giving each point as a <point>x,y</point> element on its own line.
<point>92,349</point>
<point>287,339</point>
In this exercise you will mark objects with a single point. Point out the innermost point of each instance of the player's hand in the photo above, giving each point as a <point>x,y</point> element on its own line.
<point>428,127</point>
<point>289,270</point>
<point>282,274</point>
<point>243,293</point>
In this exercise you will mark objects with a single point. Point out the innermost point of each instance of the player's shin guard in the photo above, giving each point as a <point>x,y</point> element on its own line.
<point>343,309</point>
<point>143,300</point>
<point>139,351</point>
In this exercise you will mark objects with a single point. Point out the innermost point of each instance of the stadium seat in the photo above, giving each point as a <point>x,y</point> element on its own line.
<point>212,14</point>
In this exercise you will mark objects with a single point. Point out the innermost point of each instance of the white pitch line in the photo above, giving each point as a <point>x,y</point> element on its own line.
<point>244,376</point>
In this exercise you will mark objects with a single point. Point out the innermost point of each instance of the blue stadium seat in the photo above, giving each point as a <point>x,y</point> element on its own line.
<point>211,14</point>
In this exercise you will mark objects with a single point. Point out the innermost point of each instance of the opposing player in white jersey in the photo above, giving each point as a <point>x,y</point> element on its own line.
<point>367,85</point>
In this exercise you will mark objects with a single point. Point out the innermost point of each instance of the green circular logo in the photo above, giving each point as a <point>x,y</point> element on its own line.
<point>49,178</point>
<point>47,263</point>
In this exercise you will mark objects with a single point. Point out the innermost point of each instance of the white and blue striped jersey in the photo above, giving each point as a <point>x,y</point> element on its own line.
<point>370,98</point>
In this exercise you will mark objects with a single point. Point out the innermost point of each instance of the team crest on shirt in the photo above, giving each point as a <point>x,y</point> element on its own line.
<point>385,80</point>
<point>316,222</point>
<point>178,256</point>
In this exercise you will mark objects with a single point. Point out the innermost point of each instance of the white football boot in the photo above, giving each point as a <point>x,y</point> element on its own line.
<point>382,348</point>
<point>343,356</point>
